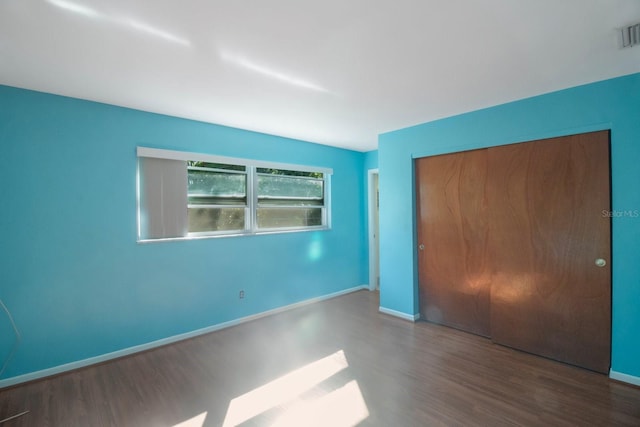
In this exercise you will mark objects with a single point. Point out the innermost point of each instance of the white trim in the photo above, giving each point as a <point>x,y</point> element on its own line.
<point>327,200</point>
<point>374,261</point>
<point>626,378</point>
<point>252,200</point>
<point>165,341</point>
<point>159,153</point>
<point>138,224</point>
<point>401,315</point>
<point>218,235</point>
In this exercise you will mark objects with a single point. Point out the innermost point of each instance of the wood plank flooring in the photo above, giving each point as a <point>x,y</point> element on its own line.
<point>337,363</point>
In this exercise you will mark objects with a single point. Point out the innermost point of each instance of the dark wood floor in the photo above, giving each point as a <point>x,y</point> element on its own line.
<point>337,363</point>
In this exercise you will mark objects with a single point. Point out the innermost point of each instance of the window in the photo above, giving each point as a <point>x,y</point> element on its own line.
<point>217,197</point>
<point>183,195</point>
<point>289,198</point>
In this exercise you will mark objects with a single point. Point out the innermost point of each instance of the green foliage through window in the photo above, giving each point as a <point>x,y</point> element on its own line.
<point>197,164</point>
<point>270,171</point>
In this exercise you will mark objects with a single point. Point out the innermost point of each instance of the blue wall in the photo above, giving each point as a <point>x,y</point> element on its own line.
<point>74,277</point>
<point>370,160</point>
<point>611,104</point>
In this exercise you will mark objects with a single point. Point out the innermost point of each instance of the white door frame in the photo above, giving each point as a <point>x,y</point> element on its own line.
<point>374,238</point>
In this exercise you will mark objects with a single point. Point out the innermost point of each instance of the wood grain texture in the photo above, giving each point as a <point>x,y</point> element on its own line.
<point>407,374</point>
<point>547,229</point>
<point>454,270</point>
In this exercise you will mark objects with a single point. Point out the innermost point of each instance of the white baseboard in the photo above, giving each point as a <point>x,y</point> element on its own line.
<point>619,376</point>
<point>164,341</point>
<point>401,315</point>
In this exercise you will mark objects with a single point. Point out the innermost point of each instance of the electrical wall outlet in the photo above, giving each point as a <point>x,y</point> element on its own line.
<point>241,295</point>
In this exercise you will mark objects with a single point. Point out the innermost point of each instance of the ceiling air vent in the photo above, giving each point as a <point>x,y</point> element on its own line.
<point>631,35</point>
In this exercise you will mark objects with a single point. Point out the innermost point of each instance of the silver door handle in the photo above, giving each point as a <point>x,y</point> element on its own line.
<point>600,262</point>
<point>421,247</point>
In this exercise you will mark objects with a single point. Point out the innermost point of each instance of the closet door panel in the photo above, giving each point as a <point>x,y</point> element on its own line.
<point>454,273</point>
<point>549,245</point>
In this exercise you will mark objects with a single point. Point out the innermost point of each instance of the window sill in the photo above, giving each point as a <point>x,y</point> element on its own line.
<point>234,234</point>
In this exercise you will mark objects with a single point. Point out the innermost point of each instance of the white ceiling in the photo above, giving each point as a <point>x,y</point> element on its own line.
<point>335,72</point>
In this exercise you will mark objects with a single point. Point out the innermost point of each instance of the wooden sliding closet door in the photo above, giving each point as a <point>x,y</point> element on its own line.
<point>549,244</point>
<point>514,243</point>
<point>452,233</point>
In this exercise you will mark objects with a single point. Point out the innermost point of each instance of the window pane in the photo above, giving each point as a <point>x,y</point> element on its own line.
<point>276,189</point>
<point>208,187</point>
<point>215,219</point>
<point>289,217</point>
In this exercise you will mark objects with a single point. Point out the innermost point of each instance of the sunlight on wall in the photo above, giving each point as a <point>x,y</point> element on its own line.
<point>197,421</point>
<point>315,250</point>
<point>337,408</point>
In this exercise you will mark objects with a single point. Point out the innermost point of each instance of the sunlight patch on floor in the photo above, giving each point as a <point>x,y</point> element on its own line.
<point>344,407</point>
<point>197,421</point>
<point>290,386</point>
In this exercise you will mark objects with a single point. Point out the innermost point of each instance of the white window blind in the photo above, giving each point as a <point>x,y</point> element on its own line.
<point>163,199</point>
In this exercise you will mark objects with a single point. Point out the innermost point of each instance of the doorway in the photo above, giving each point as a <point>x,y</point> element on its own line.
<point>374,228</point>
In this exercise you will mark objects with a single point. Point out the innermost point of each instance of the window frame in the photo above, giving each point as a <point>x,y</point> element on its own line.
<point>251,209</point>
